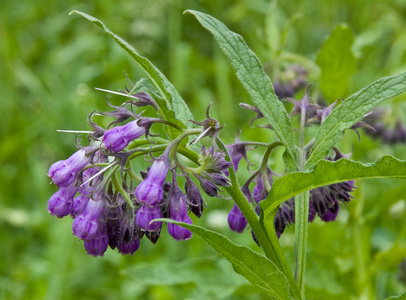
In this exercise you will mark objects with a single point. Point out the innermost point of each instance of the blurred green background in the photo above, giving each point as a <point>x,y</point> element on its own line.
<point>50,64</point>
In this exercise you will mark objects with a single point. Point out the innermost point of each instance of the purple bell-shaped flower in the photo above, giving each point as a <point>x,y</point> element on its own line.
<point>150,191</point>
<point>60,204</point>
<point>63,172</point>
<point>117,138</point>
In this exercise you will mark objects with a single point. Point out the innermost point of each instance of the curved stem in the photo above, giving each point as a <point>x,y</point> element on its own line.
<point>261,234</point>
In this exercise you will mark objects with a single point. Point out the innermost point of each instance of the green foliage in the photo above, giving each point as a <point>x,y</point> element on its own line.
<point>256,268</point>
<point>401,297</point>
<point>337,63</point>
<point>329,172</point>
<point>250,72</point>
<point>351,111</point>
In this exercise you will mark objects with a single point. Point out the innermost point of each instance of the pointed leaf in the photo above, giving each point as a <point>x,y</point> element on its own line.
<point>256,82</point>
<point>329,172</point>
<point>174,101</point>
<point>349,112</point>
<point>256,268</point>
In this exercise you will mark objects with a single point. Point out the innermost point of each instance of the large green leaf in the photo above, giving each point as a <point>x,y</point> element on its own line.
<point>337,63</point>
<point>329,172</point>
<point>351,111</point>
<point>256,82</point>
<point>175,109</point>
<point>256,268</point>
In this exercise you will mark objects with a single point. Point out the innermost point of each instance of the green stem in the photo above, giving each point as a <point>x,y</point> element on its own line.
<point>301,215</point>
<point>271,250</point>
<point>122,191</point>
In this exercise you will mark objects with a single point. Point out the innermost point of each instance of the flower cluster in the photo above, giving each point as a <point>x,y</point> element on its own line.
<point>387,127</point>
<point>110,204</point>
<point>323,201</point>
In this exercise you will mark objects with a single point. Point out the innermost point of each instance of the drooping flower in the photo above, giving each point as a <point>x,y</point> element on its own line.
<point>236,220</point>
<point>178,212</point>
<point>60,204</point>
<point>146,214</point>
<point>86,224</point>
<point>63,172</point>
<point>97,244</point>
<point>150,191</point>
<point>196,203</point>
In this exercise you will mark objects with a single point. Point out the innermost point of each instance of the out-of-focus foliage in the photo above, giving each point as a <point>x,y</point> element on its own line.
<point>50,63</point>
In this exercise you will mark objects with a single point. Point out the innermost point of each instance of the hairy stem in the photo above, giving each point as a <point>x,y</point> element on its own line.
<point>301,214</point>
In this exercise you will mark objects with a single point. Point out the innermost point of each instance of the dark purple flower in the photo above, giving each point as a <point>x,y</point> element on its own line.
<point>195,198</point>
<point>63,172</point>
<point>128,247</point>
<point>150,191</point>
<point>236,220</point>
<point>60,204</point>
<point>117,138</point>
<point>86,224</point>
<point>97,245</point>
<point>178,212</point>
<point>279,223</point>
<point>146,214</point>
<point>208,187</point>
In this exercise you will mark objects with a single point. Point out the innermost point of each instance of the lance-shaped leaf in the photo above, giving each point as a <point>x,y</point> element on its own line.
<point>256,82</point>
<point>349,112</point>
<point>175,109</point>
<point>329,172</point>
<point>257,269</point>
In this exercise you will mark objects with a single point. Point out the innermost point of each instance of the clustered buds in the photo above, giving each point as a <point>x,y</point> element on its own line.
<point>386,126</point>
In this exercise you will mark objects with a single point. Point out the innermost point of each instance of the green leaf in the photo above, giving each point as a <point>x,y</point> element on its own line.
<point>337,63</point>
<point>351,111</point>
<point>256,268</point>
<point>175,108</point>
<point>401,297</point>
<point>250,72</point>
<point>329,172</point>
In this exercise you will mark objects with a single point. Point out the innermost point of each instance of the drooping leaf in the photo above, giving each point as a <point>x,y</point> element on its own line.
<point>337,63</point>
<point>351,111</point>
<point>256,268</point>
<point>175,109</point>
<point>329,172</point>
<point>256,82</point>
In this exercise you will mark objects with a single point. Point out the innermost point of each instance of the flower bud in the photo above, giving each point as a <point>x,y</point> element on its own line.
<point>236,220</point>
<point>178,212</point>
<point>146,214</point>
<point>117,138</point>
<point>128,247</point>
<point>97,245</point>
<point>195,198</point>
<point>85,225</point>
<point>60,204</point>
<point>150,191</point>
<point>63,172</point>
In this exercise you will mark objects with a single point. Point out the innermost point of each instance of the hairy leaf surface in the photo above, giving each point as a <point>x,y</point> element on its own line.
<point>351,111</point>
<point>329,172</point>
<point>256,268</point>
<point>256,82</point>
